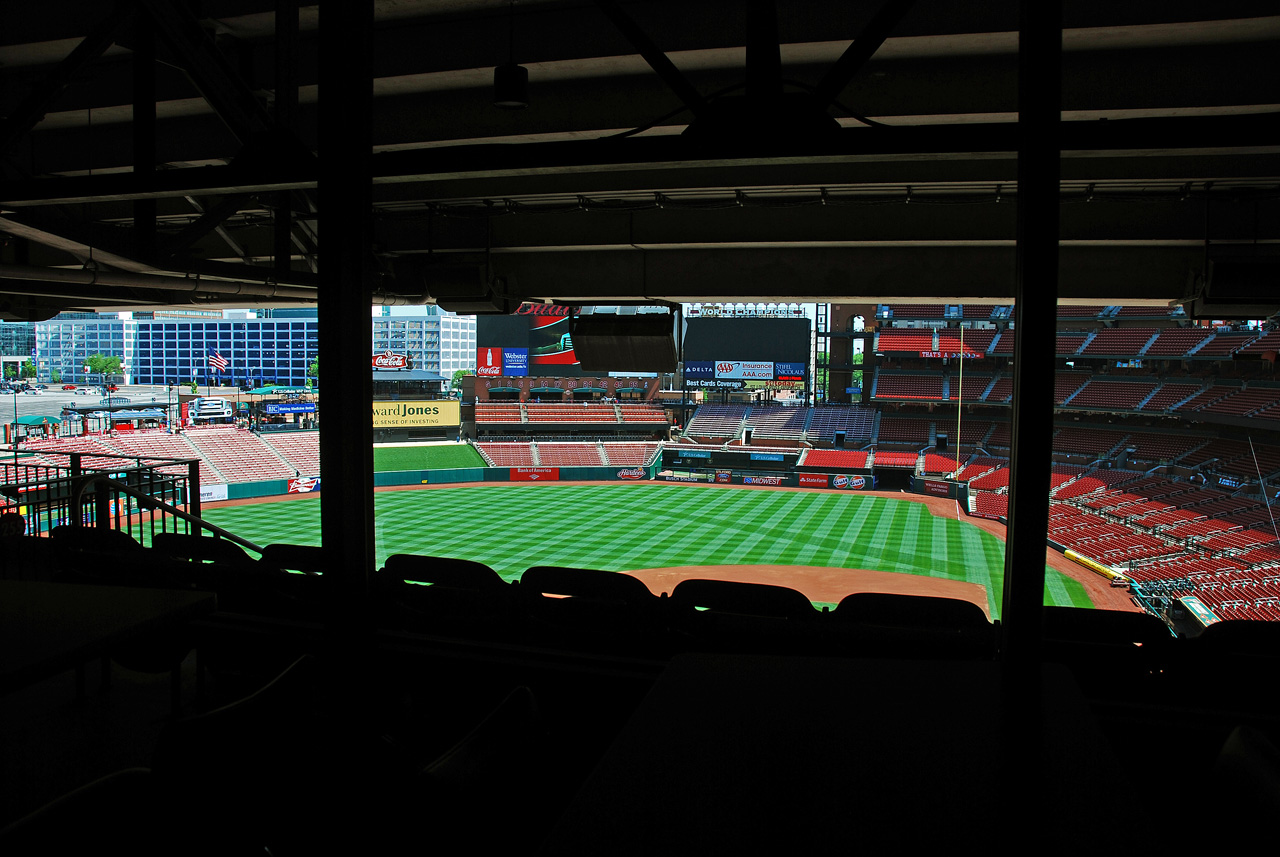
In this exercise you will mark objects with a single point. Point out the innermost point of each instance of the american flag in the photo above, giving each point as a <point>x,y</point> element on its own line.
<point>217,361</point>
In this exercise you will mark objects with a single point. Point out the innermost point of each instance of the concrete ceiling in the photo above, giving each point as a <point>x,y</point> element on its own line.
<point>1170,137</point>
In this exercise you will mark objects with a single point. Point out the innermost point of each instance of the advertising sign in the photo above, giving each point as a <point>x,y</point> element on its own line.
<point>210,493</point>
<point>720,384</point>
<point>724,476</point>
<point>699,369</point>
<point>515,362</point>
<point>631,473</point>
<point>744,369</point>
<point>489,362</point>
<point>391,360</point>
<point>535,474</point>
<point>304,485</point>
<point>762,480</point>
<point>788,371</point>
<point>296,408</point>
<point>853,483</point>
<point>693,453</point>
<point>416,414</point>
<point>965,354</point>
<point>933,486</point>
<point>814,480</point>
<point>766,456</point>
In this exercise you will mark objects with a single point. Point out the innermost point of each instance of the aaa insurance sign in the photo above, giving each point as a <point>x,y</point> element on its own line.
<point>742,370</point>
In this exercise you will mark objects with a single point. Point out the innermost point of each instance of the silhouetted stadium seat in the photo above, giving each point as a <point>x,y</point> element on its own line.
<point>598,608</point>
<point>726,615</point>
<point>885,624</point>
<point>463,597</point>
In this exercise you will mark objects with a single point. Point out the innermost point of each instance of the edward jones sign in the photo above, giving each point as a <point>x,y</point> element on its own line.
<point>416,414</point>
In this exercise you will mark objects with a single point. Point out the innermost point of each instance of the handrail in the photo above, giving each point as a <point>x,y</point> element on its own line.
<point>148,502</point>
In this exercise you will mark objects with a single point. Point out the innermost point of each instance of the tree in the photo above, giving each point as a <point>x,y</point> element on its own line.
<point>102,364</point>
<point>458,375</point>
<point>28,369</point>
<point>10,371</point>
<point>314,369</point>
<point>55,376</point>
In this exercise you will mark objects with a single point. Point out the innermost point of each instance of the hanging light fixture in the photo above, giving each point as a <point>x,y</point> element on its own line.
<point>511,81</point>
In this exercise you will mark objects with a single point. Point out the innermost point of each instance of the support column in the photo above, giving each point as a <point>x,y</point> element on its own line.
<point>346,289</point>
<point>144,130</point>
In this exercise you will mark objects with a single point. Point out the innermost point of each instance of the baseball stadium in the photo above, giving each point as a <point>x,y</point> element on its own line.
<point>811,491</point>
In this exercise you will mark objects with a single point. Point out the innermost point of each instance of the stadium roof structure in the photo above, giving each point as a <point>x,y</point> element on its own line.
<point>669,151</point>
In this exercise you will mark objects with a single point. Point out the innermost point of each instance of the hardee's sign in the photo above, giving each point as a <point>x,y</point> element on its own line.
<point>389,360</point>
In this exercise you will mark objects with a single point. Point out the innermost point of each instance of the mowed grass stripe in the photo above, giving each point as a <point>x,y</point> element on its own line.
<point>624,527</point>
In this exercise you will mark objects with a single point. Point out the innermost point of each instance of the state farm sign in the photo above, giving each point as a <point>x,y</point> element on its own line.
<point>388,360</point>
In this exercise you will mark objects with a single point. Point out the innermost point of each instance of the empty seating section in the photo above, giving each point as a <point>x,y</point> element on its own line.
<point>977,311</point>
<point>1112,395</point>
<point>1225,344</point>
<point>993,481</point>
<point>856,421</point>
<point>917,310</point>
<point>717,421</point>
<point>642,413</point>
<point>886,458</point>
<point>784,423</point>
<point>972,431</point>
<point>300,449</point>
<point>1000,436</point>
<point>1065,384</point>
<point>629,454</point>
<point>570,455</point>
<point>498,412</point>
<point>91,447</point>
<point>936,463</point>
<point>1004,344</point>
<point>975,341</point>
<point>1244,402</point>
<point>1086,441</point>
<point>1269,341</point>
<point>570,412</point>
<point>237,455</point>
<point>971,386</point>
<point>1171,393</point>
<point>1177,341</point>
<point>1120,341</point>
<point>988,504</point>
<point>1061,474</point>
<point>980,465</point>
<point>843,459</point>
<point>1067,311</point>
<point>1149,446</point>
<point>903,430</point>
<point>893,339</point>
<point>891,385</point>
<point>1069,341</point>
<point>507,454</point>
<point>159,444</point>
<point>1002,390</point>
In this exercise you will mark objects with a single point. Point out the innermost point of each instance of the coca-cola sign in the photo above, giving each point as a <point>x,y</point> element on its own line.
<point>390,360</point>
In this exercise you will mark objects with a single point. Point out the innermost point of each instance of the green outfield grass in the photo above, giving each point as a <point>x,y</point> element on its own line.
<point>435,457</point>
<point>626,527</point>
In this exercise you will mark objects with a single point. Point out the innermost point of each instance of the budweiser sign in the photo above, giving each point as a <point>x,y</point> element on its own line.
<point>544,309</point>
<point>388,360</point>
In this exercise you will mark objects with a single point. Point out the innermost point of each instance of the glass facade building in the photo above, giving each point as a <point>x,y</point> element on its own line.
<point>258,351</point>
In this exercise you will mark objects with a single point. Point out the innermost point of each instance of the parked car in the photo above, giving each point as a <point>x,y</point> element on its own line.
<point>68,386</point>
<point>111,388</point>
<point>33,391</point>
